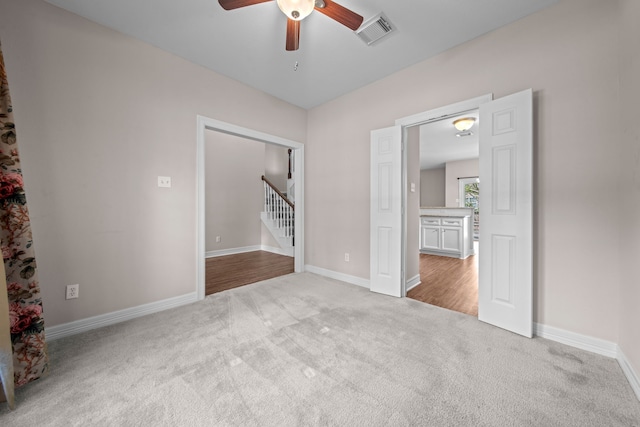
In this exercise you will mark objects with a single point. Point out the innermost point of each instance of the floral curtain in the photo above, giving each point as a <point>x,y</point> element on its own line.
<point>25,304</point>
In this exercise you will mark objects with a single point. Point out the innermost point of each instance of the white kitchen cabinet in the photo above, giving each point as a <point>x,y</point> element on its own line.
<point>447,236</point>
<point>451,239</point>
<point>430,237</point>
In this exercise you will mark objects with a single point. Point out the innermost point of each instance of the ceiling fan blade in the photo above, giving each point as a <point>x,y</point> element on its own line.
<point>235,4</point>
<point>341,14</point>
<point>293,34</point>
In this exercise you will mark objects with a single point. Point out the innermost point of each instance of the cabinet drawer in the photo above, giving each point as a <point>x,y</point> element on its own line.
<point>452,222</point>
<point>430,221</point>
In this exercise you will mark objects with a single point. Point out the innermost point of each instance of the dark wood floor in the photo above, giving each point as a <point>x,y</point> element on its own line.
<point>446,282</point>
<point>231,271</point>
<point>449,283</point>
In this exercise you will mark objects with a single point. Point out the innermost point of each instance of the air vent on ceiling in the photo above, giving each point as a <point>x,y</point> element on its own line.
<point>375,29</point>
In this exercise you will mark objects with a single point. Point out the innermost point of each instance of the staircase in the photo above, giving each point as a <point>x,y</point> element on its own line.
<point>278,216</point>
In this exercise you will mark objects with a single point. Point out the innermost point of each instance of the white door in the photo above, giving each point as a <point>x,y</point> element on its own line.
<point>506,147</point>
<point>386,211</point>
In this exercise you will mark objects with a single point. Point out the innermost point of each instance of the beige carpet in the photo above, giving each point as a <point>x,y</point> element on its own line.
<point>305,350</point>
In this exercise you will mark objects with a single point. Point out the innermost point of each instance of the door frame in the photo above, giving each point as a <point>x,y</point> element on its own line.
<point>418,119</point>
<point>206,123</point>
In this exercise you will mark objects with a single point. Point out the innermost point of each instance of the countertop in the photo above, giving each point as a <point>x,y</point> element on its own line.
<point>444,211</point>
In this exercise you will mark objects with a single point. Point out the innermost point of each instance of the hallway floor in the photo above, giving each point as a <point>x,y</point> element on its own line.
<point>448,283</point>
<point>231,271</point>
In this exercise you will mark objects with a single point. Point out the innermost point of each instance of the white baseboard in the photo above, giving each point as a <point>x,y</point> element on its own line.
<point>413,282</point>
<point>631,375</point>
<point>583,342</point>
<point>278,251</point>
<point>338,276</point>
<point>82,325</point>
<point>245,249</point>
<point>594,345</point>
<point>232,251</point>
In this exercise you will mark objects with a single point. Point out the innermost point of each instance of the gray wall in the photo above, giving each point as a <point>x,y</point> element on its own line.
<point>276,166</point>
<point>628,165</point>
<point>432,187</point>
<point>233,191</point>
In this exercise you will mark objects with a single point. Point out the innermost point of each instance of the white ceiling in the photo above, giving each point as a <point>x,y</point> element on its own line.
<point>439,143</point>
<point>247,44</point>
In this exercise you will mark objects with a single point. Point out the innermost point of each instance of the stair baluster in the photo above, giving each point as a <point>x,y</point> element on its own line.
<point>280,212</point>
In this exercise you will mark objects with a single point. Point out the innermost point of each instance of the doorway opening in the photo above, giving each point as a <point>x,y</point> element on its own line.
<point>249,211</point>
<point>448,249</point>
<point>505,285</point>
<point>297,152</point>
<point>412,224</point>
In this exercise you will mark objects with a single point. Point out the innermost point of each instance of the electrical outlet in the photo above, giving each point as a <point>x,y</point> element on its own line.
<point>164,181</point>
<point>73,291</point>
<point>346,257</point>
<point>218,239</point>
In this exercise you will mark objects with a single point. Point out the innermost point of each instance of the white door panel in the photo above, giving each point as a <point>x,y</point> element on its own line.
<point>506,149</point>
<point>386,211</point>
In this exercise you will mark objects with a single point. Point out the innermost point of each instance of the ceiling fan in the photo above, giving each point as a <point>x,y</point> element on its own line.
<point>297,10</point>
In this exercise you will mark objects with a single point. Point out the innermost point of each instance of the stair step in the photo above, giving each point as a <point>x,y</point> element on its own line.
<point>286,243</point>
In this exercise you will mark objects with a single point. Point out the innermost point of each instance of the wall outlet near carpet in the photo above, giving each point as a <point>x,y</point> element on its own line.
<point>218,239</point>
<point>72,291</point>
<point>164,181</point>
<point>346,257</point>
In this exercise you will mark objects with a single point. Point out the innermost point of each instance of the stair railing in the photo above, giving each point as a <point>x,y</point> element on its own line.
<point>279,209</point>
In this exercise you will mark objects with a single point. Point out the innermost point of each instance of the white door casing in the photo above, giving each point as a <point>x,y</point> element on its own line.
<point>505,293</point>
<point>206,123</point>
<point>513,115</point>
<point>395,286</point>
<point>506,239</point>
<point>386,211</point>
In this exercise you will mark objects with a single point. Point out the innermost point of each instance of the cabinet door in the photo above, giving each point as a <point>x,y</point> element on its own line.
<point>430,238</point>
<point>451,239</point>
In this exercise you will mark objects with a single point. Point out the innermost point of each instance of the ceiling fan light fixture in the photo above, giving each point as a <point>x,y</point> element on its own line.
<point>296,9</point>
<point>464,124</point>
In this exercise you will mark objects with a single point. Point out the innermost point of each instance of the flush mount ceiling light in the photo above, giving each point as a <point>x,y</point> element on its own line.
<point>464,124</point>
<point>296,9</point>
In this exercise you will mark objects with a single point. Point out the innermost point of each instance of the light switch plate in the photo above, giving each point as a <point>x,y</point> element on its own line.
<point>413,187</point>
<point>164,181</point>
